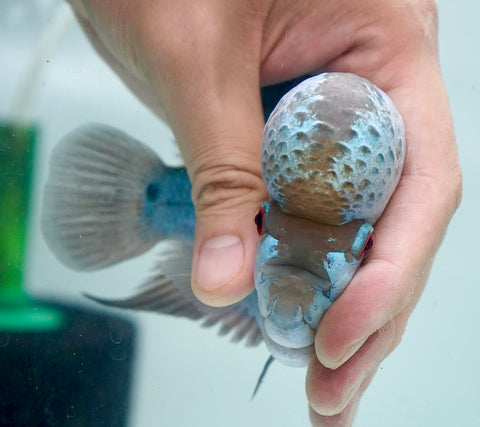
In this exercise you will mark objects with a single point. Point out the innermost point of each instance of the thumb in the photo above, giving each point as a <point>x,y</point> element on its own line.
<point>223,160</point>
<point>197,64</point>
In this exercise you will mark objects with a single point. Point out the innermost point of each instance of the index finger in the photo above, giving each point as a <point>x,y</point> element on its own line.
<point>410,230</point>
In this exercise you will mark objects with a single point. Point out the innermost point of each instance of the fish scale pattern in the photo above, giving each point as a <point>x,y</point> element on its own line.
<point>333,150</point>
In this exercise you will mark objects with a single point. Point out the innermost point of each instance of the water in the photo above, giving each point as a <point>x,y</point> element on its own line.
<point>184,375</point>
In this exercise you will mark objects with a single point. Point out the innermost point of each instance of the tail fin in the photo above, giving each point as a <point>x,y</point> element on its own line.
<point>92,213</point>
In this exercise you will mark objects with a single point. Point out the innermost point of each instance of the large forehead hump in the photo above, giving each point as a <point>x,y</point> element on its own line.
<point>333,149</point>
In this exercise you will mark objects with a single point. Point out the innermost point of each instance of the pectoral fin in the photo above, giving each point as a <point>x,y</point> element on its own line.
<point>168,291</point>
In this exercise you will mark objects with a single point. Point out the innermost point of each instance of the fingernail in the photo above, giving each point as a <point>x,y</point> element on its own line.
<point>334,363</point>
<point>221,259</point>
<point>350,351</point>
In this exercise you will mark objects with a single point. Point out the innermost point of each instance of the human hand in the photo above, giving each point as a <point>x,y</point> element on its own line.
<point>199,65</point>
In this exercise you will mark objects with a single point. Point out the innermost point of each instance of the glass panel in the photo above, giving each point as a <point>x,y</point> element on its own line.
<point>99,366</point>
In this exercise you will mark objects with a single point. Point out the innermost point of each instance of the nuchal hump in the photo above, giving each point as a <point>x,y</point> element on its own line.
<point>333,150</point>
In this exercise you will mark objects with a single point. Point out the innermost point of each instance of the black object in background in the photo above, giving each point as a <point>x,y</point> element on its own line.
<point>273,93</point>
<point>77,375</point>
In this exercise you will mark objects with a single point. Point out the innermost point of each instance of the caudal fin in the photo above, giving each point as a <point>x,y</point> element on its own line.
<point>92,212</point>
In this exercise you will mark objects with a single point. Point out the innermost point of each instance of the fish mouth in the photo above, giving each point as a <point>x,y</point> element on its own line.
<point>295,357</point>
<point>292,302</point>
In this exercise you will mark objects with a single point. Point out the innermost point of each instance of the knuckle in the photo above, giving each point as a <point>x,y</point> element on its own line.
<point>451,186</point>
<point>442,190</point>
<point>456,183</point>
<point>225,187</point>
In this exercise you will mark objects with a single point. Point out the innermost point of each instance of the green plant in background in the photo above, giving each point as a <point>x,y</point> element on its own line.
<point>16,159</point>
<point>17,311</point>
<point>18,141</point>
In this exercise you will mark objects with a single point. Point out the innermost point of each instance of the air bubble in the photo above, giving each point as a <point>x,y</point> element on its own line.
<point>115,334</point>
<point>4,340</point>
<point>118,353</point>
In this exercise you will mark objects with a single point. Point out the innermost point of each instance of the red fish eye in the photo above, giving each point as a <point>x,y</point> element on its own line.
<point>259,220</point>
<point>368,245</point>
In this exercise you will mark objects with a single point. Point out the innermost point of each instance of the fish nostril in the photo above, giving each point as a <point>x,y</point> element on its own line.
<point>259,219</point>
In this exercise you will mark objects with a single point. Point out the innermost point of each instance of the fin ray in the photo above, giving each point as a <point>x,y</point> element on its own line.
<point>92,215</point>
<point>174,296</point>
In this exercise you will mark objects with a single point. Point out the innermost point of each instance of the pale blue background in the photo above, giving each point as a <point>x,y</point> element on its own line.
<point>187,376</point>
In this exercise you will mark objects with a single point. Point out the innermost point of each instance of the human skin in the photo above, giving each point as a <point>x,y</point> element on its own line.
<point>199,65</point>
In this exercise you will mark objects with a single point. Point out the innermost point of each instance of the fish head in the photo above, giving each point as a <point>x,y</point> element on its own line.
<point>333,150</point>
<point>301,267</point>
<point>332,155</point>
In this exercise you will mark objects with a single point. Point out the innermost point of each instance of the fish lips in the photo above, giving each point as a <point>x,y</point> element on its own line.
<point>292,302</point>
<point>295,357</point>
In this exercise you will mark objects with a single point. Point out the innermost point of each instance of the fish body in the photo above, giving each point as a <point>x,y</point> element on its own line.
<point>110,198</point>
<point>332,155</point>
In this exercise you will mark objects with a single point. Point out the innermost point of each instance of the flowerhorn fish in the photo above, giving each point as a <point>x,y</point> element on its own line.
<point>333,152</point>
<point>332,155</point>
